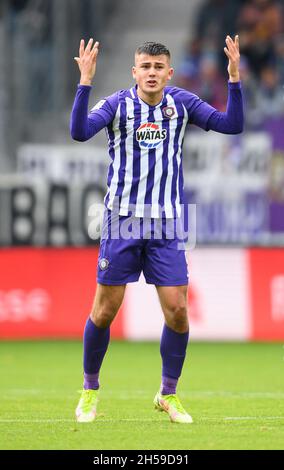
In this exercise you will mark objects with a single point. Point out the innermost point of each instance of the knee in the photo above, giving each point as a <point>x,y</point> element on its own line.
<point>177,317</point>
<point>103,315</point>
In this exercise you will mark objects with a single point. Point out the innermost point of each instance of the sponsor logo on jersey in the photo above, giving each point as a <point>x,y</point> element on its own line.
<point>150,135</point>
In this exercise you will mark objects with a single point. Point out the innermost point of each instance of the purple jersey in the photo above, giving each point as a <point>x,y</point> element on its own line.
<point>145,147</point>
<point>145,143</point>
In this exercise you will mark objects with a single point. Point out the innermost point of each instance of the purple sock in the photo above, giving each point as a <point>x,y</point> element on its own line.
<point>173,350</point>
<point>168,386</point>
<point>91,381</point>
<point>96,342</point>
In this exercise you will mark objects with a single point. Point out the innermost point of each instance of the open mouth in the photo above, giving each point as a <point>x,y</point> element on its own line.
<point>151,82</point>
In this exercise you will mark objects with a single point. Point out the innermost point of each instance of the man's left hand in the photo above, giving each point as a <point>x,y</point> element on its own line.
<point>232,51</point>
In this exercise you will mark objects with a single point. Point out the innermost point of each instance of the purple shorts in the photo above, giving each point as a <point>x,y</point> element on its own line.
<point>130,245</point>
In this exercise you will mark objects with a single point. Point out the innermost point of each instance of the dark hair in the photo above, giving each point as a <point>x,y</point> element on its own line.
<point>153,48</point>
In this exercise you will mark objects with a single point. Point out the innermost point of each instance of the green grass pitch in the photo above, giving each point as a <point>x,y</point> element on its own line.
<point>234,391</point>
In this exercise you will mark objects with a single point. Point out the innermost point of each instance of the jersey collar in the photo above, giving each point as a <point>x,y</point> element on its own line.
<point>134,94</point>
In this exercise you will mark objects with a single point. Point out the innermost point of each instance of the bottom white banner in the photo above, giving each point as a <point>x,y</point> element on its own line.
<point>218,298</point>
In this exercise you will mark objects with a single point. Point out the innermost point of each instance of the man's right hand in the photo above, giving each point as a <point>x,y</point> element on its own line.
<point>87,61</point>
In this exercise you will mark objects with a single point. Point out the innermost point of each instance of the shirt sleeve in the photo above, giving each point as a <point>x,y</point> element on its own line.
<point>84,125</point>
<point>232,121</point>
<point>198,111</point>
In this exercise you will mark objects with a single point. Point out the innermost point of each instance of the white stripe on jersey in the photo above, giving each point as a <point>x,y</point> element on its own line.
<point>185,120</point>
<point>168,185</point>
<point>144,157</point>
<point>158,171</point>
<point>116,160</point>
<point>124,205</point>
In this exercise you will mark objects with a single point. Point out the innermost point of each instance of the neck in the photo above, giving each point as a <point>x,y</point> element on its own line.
<point>150,98</point>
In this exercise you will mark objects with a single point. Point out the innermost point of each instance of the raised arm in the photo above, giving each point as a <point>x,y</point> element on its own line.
<point>232,51</point>
<point>87,61</point>
<point>83,126</point>
<point>206,116</point>
<point>230,122</point>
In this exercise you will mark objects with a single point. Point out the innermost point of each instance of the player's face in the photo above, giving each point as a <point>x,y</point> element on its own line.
<point>152,72</point>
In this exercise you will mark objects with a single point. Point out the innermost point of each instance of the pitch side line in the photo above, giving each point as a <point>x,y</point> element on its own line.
<point>123,394</point>
<point>101,420</point>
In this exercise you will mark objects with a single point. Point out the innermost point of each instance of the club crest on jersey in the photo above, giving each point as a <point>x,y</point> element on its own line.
<point>168,111</point>
<point>150,135</point>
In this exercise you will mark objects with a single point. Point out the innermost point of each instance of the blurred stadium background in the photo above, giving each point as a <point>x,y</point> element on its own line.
<point>48,182</point>
<point>48,258</point>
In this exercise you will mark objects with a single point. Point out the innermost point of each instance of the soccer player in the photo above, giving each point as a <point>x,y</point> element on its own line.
<point>145,126</point>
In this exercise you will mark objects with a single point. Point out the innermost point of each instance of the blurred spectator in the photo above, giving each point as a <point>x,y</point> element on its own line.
<point>31,23</point>
<point>249,86</point>
<point>18,5</point>
<point>199,73</point>
<point>37,20</point>
<point>258,23</point>
<point>269,95</point>
<point>188,70</point>
<point>210,85</point>
<point>216,19</point>
<point>279,51</point>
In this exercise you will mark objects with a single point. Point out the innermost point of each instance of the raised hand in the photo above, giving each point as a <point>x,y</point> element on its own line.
<point>87,61</point>
<point>232,51</point>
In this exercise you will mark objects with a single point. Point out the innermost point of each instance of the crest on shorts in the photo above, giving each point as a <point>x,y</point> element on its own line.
<point>168,111</point>
<point>103,264</point>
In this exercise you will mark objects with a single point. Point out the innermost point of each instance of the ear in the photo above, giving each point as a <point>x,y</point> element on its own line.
<point>134,72</point>
<point>171,73</point>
